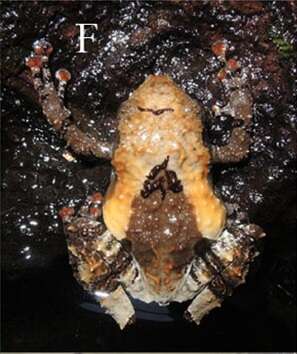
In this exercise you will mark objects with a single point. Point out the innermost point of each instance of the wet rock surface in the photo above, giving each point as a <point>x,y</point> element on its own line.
<point>136,39</point>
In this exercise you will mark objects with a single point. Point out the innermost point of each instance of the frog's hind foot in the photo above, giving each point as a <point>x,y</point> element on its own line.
<point>51,99</point>
<point>118,305</point>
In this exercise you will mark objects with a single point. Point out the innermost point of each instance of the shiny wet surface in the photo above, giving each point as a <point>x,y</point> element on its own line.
<point>50,312</point>
<point>43,307</point>
<point>163,234</point>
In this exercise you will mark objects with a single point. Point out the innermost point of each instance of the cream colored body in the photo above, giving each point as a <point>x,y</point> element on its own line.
<point>146,139</point>
<point>158,121</point>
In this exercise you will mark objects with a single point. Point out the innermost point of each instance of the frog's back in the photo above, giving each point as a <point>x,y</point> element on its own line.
<point>158,122</point>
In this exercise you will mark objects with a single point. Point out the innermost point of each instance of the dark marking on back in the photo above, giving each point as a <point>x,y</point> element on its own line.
<point>166,181</point>
<point>156,112</point>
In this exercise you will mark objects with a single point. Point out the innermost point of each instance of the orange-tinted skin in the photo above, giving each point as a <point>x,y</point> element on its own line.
<point>147,137</point>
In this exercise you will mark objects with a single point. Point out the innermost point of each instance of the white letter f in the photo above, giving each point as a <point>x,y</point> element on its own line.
<point>82,36</point>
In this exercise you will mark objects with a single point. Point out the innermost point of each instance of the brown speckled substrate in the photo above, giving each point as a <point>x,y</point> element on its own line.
<point>172,37</point>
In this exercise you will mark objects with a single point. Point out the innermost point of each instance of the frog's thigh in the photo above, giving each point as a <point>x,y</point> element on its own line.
<point>222,268</point>
<point>100,265</point>
<point>98,259</point>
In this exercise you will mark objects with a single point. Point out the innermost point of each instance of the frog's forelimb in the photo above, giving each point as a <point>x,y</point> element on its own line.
<point>53,108</point>
<point>238,147</point>
<point>240,106</point>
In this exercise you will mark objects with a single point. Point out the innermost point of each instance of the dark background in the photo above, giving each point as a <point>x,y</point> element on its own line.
<point>43,308</point>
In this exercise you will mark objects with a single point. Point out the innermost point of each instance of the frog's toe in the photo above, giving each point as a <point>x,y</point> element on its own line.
<point>42,47</point>
<point>66,214</point>
<point>52,102</point>
<point>63,76</point>
<point>92,207</point>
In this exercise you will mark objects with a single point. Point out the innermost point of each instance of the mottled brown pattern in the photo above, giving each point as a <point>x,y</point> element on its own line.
<point>163,233</point>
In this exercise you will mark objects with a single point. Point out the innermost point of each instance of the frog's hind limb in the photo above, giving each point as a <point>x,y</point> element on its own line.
<point>224,266</point>
<point>53,108</point>
<point>99,261</point>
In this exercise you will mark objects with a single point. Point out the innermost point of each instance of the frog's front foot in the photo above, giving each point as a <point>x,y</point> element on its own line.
<point>99,260</point>
<point>239,108</point>
<point>51,99</point>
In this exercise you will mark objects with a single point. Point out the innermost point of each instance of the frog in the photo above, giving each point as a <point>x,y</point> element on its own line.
<point>160,233</point>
